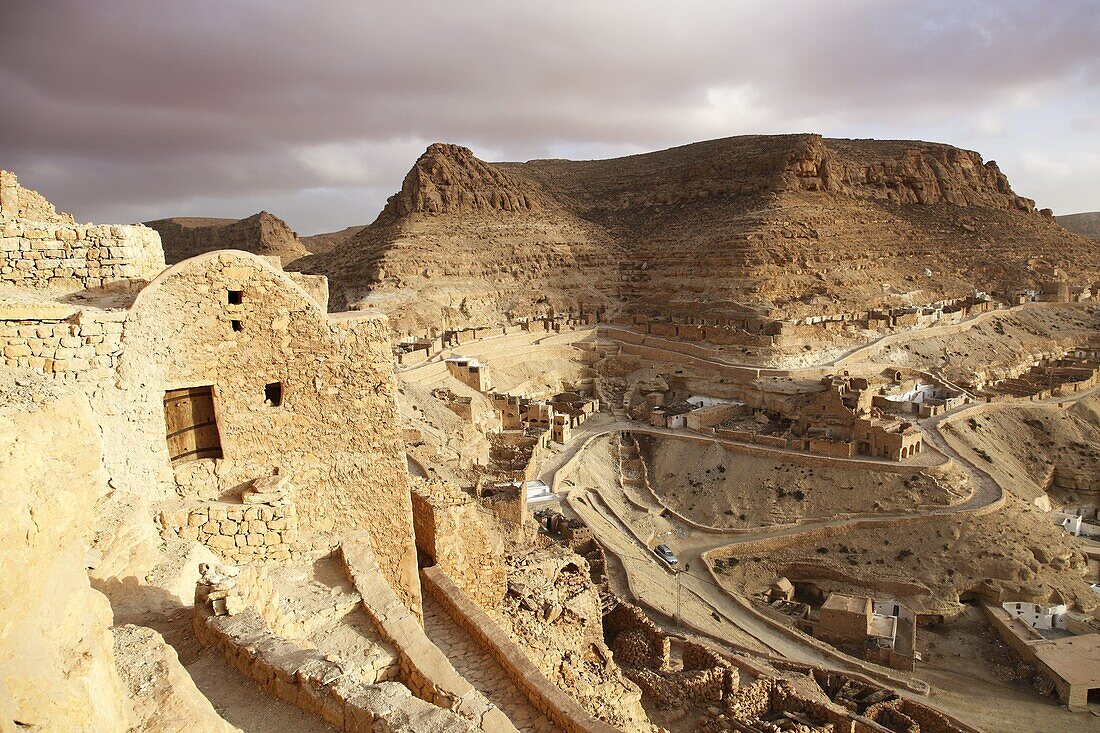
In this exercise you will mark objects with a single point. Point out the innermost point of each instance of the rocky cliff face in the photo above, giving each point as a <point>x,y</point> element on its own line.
<point>262,234</point>
<point>901,172</point>
<point>448,179</point>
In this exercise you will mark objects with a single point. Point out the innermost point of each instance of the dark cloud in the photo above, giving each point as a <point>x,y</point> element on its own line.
<point>130,109</point>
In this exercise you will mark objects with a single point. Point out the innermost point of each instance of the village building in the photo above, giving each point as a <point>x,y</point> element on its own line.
<point>883,631</point>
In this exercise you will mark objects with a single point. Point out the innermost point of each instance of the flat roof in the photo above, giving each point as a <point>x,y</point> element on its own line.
<point>852,604</point>
<point>1076,659</point>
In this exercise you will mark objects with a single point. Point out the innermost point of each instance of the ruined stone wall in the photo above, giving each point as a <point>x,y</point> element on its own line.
<point>57,669</point>
<point>452,529</point>
<point>635,639</point>
<point>335,431</point>
<point>71,256</point>
<point>85,345</point>
<point>543,694</point>
<point>40,247</point>
<point>17,202</point>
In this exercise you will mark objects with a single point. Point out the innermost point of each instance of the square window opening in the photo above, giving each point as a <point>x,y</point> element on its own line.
<point>237,326</point>
<point>234,297</point>
<point>273,394</point>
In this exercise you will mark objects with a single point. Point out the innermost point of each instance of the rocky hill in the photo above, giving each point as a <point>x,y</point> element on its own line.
<point>262,234</point>
<point>1087,224</point>
<point>466,242</point>
<point>757,226</point>
<point>327,241</point>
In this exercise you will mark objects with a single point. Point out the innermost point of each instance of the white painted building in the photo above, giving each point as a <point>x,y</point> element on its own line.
<point>1037,616</point>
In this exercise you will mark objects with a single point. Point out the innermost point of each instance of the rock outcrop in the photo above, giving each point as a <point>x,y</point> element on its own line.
<point>263,234</point>
<point>448,179</point>
<point>57,667</point>
<point>466,241</point>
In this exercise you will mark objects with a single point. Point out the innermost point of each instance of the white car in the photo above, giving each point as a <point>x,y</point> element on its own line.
<point>665,553</point>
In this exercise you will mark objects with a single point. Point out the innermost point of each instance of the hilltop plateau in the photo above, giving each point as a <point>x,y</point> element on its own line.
<point>262,234</point>
<point>1086,224</point>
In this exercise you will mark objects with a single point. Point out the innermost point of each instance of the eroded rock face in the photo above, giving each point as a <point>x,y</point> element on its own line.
<point>902,172</point>
<point>449,179</point>
<point>263,234</point>
<point>57,670</point>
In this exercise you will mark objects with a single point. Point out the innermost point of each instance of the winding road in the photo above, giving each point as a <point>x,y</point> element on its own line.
<point>693,596</point>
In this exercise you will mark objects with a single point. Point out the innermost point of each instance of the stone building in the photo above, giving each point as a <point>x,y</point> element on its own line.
<point>228,360</point>
<point>211,374</point>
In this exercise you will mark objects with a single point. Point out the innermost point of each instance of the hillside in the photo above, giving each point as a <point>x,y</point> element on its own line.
<point>327,241</point>
<point>464,242</point>
<point>262,234</point>
<point>737,229</point>
<point>1086,224</point>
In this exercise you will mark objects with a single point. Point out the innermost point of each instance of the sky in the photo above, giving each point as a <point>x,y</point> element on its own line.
<point>130,110</point>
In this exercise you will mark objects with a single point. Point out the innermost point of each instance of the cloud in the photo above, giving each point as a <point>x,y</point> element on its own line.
<point>136,109</point>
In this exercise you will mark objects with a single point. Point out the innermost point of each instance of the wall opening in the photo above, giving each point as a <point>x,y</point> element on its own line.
<point>234,297</point>
<point>237,326</point>
<point>191,424</point>
<point>273,394</point>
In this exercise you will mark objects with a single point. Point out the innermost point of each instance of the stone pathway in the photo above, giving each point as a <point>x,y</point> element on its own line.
<point>474,662</point>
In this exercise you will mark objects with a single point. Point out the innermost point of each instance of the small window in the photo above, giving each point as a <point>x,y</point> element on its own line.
<point>273,394</point>
<point>237,325</point>
<point>234,297</point>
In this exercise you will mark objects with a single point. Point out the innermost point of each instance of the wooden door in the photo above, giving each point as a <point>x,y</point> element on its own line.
<point>191,424</point>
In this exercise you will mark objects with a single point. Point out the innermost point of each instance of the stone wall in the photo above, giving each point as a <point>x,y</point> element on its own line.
<point>543,694</point>
<point>425,670</point>
<point>78,256</point>
<point>17,202</point>
<point>454,532</point>
<point>41,248</point>
<point>263,527</point>
<point>635,640</point>
<point>334,429</point>
<point>356,700</point>
<point>82,344</point>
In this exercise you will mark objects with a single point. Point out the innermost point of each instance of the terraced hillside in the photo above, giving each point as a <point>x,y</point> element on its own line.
<point>741,228</point>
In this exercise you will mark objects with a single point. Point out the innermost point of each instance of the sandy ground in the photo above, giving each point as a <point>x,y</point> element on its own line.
<point>722,488</point>
<point>929,563</point>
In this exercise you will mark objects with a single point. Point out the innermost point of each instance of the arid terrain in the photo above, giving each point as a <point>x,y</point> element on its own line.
<point>758,434</point>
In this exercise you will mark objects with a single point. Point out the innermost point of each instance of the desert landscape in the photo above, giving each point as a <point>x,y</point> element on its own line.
<point>762,433</point>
